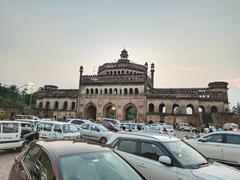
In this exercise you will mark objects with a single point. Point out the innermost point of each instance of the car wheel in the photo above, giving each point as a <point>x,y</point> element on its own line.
<point>182,129</point>
<point>103,140</point>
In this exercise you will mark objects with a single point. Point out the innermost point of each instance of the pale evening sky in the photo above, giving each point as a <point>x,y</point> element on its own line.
<point>190,42</point>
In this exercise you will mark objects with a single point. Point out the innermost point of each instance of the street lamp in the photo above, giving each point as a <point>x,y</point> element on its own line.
<point>31,85</point>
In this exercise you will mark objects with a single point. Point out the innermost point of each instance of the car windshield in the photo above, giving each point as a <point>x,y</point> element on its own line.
<point>69,128</point>
<point>96,166</point>
<point>187,156</point>
<point>102,128</point>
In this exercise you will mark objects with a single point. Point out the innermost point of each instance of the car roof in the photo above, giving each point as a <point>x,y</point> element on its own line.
<point>225,132</point>
<point>145,135</point>
<point>54,122</point>
<point>70,147</point>
<point>8,121</point>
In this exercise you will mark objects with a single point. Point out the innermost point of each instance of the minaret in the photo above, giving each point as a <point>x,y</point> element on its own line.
<point>79,92</point>
<point>152,74</point>
<point>124,54</point>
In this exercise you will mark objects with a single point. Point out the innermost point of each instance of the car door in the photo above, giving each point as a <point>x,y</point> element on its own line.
<point>127,148</point>
<point>47,131</point>
<point>11,133</point>
<point>94,132</point>
<point>149,165</point>
<point>85,131</point>
<point>211,146</point>
<point>231,148</point>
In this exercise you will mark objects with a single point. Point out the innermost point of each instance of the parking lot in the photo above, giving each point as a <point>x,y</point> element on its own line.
<point>6,161</point>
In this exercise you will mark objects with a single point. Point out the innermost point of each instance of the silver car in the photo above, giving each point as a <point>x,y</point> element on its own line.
<point>95,132</point>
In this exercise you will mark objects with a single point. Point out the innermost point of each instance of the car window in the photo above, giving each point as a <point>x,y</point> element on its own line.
<point>233,139</point>
<point>127,146</point>
<point>30,157</point>
<point>57,128</point>
<point>94,128</point>
<point>151,151</point>
<point>26,128</point>
<point>9,127</point>
<point>85,126</point>
<point>215,138</point>
<point>77,122</point>
<point>47,127</point>
<point>43,168</point>
<point>39,126</point>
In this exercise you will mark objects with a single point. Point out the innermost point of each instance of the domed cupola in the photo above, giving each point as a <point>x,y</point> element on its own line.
<point>124,57</point>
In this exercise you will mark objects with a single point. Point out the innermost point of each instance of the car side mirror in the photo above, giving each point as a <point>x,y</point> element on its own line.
<point>165,160</point>
<point>203,140</point>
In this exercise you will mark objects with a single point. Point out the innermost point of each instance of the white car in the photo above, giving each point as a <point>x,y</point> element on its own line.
<point>79,122</point>
<point>157,129</point>
<point>162,157</point>
<point>132,127</point>
<point>186,127</point>
<point>57,130</point>
<point>223,146</point>
<point>15,134</point>
<point>95,132</point>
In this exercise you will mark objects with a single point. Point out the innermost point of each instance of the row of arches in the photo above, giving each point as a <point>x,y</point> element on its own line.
<point>175,109</point>
<point>121,72</point>
<point>56,105</point>
<point>109,111</point>
<point>113,91</point>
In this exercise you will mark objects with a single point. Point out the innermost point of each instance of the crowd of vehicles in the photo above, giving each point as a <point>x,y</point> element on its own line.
<point>151,151</point>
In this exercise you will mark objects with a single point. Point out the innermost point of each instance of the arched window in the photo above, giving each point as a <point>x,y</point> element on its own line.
<point>110,91</point>
<point>73,105</point>
<point>162,108</point>
<point>119,72</point>
<point>122,72</point>
<point>115,72</point>
<point>189,109</point>
<point>107,73</point>
<point>105,91</point>
<point>115,91</point>
<point>111,72</point>
<point>125,91</point>
<point>87,91</point>
<point>130,91</point>
<point>151,108</point>
<point>127,72</point>
<point>56,104</point>
<point>47,104</point>
<point>131,72</point>
<point>101,91</point>
<point>91,91</point>
<point>120,91</point>
<point>175,109</point>
<point>40,105</point>
<point>201,109</point>
<point>134,73</point>
<point>96,91</point>
<point>136,91</point>
<point>65,105</point>
<point>214,109</point>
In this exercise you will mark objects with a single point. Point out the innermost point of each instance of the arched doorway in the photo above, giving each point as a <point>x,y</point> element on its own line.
<point>109,111</point>
<point>214,109</point>
<point>130,112</point>
<point>162,108</point>
<point>175,109</point>
<point>190,109</point>
<point>91,111</point>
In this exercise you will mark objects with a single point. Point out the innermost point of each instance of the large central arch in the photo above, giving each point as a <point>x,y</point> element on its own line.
<point>91,111</point>
<point>130,112</point>
<point>109,111</point>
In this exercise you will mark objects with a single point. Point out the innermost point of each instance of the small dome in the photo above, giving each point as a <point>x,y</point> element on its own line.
<point>124,54</point>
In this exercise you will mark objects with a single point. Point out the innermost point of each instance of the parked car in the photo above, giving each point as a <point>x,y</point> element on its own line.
<point>157,129</point>
<point>132,127</point>
<point>170,129</point>
<point>30,121</point>
<point>79,122</point>
<point>57,130</point>
<point>114,121</point>
<point>230,126</point>
<point>110,126</point>
<point>186,127</point>
<point>19,116</point>
<point>169,158</point>
<point>222,146</point>
<point>95,132</point>
<point>68,160</point>
<point>15,134</point>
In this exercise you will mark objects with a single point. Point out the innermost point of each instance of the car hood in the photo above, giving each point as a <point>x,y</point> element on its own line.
<point>217,171</point>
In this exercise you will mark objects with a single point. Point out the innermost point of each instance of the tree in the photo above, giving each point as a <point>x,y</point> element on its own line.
<point>236,109</point>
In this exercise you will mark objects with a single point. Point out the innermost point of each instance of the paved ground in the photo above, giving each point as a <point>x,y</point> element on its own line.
<point>6,161</point>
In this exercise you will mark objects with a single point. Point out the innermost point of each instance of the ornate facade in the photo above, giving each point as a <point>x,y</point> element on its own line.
<point>124,90</point>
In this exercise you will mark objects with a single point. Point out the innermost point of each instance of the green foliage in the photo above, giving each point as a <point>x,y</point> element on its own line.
<point>11,97</point>
<point>236,109</point>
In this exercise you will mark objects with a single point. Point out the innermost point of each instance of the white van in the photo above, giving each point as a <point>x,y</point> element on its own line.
<point>15,134</point>
<point>57,130</point>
